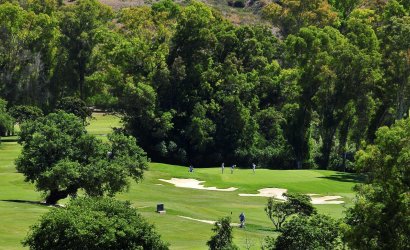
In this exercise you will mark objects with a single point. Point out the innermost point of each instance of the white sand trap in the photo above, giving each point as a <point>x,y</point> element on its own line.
<point>205,221</point>
<point>326,200</point>
<point>195,184</point>
<point>277,193</point>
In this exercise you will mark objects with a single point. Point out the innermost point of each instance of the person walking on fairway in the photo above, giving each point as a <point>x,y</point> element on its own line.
<point>253,167</point>
<point>223,167</point>
<point>232,167</point>
<point>191,168</point>
<point>242,220</point>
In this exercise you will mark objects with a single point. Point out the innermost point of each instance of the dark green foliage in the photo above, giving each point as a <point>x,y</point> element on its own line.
<point>94,223</point>
<point>78,24</point>
<point>193,87</point>
<point>309,233</point>
<point>300,203</point>
<point>6,120</point>
<point>278,212</point>
<point>22,113</point>
<point>27,48</point>
<point>204,106</point>
<point>74,105</point>
<point>60,158</point>
<point>236,3</point>
<point>380,218</point>
<point>222,240</point>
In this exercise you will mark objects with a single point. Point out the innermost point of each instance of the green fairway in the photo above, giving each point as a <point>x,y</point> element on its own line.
<point>19,208</point>
<point>102,124</point>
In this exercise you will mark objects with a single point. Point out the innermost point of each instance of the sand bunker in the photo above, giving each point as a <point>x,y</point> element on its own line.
<point>277,193</point>
<point>195,184</point>
<point>205,221</point>
<point>326,200</point>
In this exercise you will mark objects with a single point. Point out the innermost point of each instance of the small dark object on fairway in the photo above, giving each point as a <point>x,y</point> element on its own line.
<point>160,208</point>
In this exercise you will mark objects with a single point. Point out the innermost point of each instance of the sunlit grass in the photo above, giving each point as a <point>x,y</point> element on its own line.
<point>18,208</point>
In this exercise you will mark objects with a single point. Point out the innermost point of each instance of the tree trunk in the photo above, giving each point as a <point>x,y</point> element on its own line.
<point>327,147</point>
<point>378,120</point>
<point>344,132</point>
<point>56,195</point>
<point>81,80</point>
<point>298,136</point>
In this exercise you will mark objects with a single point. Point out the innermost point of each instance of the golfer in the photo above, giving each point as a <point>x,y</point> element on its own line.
<point>232,167</point>
<point>242,220</point>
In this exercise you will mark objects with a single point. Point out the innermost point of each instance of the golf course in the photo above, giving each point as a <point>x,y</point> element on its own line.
<point>190,212</point>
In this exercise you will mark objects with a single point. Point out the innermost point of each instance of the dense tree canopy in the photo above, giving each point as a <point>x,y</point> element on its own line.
<point>22,113</point>
<point>194,88</point>
<point>309,233</point>
<point>94,223</point>
<point>74,106</point>
<point>381,215</point>
<point>60,158</point>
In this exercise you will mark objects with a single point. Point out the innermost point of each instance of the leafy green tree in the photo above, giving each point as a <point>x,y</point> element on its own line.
<point>27,53</point>
<point>314,232</point>
<point>395,39</point>
<point>345,7</point>
<point>78,24</point>
<point>278,212</point>
<point>380,217</point>
<point>300,203</point>
<point>22,113</point>
<point>60,158</point>
<point>74,105</point>
<point>6,120</point>
<point>291,15</point>
<point>94,223</point>
<point>222,240</point>
<point>331,92</point>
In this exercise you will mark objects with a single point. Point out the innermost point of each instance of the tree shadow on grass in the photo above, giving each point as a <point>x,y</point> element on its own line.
<point>345,177</point>
<point>9,139</point>
<point>41,203</point>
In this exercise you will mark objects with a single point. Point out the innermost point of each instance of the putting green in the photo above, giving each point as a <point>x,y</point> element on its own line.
<point>19,208</point>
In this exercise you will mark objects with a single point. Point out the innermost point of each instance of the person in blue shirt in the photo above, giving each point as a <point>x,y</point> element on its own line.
<point>242,220</point>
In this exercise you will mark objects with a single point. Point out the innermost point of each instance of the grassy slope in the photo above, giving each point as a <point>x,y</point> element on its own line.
<point>16,217</point>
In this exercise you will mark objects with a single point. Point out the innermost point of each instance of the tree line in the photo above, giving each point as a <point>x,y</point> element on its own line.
<point>194,88</point>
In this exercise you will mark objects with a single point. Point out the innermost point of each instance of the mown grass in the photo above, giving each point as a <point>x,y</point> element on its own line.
<point>19,207</point>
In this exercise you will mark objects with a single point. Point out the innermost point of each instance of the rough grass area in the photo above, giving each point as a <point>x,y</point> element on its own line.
<point>20,208</point>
